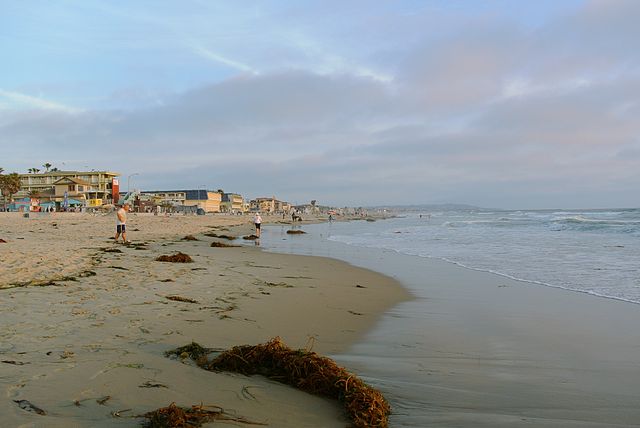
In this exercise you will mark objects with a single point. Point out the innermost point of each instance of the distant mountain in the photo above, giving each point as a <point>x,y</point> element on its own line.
<point>434,207</point>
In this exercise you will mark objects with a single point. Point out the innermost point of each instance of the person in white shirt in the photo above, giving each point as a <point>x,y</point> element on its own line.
<point>257,220</point>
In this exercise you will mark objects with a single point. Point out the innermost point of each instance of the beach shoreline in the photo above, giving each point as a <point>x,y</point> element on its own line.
<point>476,349</point>
<point>99,327</point>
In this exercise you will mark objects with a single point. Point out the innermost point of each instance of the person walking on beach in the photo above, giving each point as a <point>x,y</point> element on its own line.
<point>121,223</point>
<point>257,220</point>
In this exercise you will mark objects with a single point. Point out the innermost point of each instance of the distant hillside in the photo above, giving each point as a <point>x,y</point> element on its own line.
<point>434,207</point>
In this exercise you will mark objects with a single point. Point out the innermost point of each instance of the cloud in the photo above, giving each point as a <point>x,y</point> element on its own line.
<point>16,100</point>
<point>210,55</point>
<point>489,111</point>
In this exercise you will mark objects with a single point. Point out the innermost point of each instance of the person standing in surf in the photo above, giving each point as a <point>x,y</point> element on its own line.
<point>257,221</point>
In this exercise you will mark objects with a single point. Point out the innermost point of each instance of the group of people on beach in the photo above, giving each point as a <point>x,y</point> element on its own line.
<point>121,223</point>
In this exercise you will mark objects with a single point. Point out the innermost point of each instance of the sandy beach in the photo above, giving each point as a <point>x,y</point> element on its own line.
<point>86,321</point>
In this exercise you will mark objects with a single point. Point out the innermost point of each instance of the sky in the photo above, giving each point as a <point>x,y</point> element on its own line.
<point>495,103</point>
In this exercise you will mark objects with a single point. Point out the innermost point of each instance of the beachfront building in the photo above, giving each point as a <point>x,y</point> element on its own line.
<point>268,205</point>
<point>90,188</point>
<point>232,203</point>
<point>207,200</point>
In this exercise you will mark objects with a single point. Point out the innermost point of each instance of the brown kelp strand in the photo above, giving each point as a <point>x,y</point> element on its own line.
<point>176,258</point>
<point>189,238</point>
<point>308,371</point>
<point>296,232</point>
<point>215,235</point>
<point>250,237</point>
<point>193,351</point>
<point>222,245</point>
<point>174,416</point>
<point>181,299</point>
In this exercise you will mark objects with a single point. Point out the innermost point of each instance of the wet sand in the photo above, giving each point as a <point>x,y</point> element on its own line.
<point>101,324</point>
<point>475,349</point>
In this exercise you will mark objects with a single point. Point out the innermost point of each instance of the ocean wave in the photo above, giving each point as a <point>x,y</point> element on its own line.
<point>499,222</point>
<point>579,251</point>
<point>495,271</point>
<point>580,220</point>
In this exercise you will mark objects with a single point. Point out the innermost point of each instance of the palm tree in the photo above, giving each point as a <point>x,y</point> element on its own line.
<point>9,185</point>
<point>47,166</point>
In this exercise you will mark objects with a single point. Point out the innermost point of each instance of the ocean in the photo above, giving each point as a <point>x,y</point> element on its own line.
<point>594,252</point>
<point>590,251</point>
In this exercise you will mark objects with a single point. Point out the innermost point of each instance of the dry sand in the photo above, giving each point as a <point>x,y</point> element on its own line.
<point>100,327</point>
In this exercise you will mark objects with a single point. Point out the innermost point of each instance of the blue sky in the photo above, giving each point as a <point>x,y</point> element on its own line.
<point>495,103</point>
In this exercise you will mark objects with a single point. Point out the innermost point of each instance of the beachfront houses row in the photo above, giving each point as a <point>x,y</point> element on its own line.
<point>269,205</point>
<point>67,188</point>
<point>196,200</point>
<point>93,189</point>
<point>207,201</point>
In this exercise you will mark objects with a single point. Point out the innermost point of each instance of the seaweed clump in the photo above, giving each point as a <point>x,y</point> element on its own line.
<point>176,258</point>
<point>295,232</point>
<point>193,351</point>
<point>2,241</point>
<point>175,416</point>
<point>181,299</point>
<point>189,238</point>
<point>250,237</point>
<point>215,235</point>
<point>222,245</point>
<point>309,372</point>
